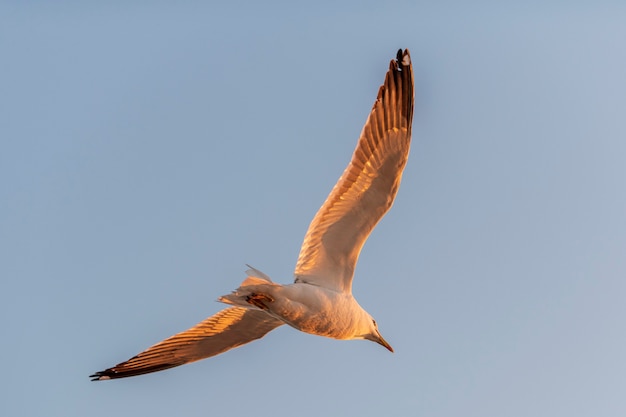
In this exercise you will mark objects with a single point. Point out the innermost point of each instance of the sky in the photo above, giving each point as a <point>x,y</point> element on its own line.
<point>149,150</point>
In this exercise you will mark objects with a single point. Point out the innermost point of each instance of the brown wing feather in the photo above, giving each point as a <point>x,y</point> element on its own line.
<point>223,331</point>
<point>367,187</point>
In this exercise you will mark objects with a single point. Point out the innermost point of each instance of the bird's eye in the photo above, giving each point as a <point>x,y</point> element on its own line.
<point>374,321</point>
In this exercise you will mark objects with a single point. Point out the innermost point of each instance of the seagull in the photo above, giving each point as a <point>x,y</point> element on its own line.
<point>320,300</point>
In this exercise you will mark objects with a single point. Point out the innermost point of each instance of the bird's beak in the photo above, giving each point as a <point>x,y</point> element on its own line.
<point>384,343</point>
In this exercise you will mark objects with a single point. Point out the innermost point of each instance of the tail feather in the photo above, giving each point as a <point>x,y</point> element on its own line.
<point>239,297</point>
<point>234,299</point>
<point>253,272</point>
<point>254,281</point>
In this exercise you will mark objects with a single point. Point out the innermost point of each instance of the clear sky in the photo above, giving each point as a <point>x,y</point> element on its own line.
<point>148,151</point>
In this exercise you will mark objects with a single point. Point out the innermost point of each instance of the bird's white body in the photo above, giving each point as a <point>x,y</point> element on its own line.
<point>309,308</point>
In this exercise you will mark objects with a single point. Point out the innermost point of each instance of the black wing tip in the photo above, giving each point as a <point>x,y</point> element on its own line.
<point>100,376</point>
<point>119,372</point>
<point>403,58</point>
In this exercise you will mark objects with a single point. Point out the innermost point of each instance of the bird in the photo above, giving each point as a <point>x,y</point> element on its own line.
<point>320,299</point>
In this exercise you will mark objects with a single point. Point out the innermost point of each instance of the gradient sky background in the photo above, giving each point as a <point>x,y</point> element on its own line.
<point>149,151</point>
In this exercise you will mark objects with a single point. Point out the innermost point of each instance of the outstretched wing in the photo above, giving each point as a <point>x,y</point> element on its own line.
<point>367,187</point>
<point>229,328</point>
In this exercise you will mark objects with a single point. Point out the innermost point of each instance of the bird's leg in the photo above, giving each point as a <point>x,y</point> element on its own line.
<point>258,300</point>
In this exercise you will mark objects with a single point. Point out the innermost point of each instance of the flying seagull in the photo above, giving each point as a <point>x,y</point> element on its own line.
<point>320,300</point>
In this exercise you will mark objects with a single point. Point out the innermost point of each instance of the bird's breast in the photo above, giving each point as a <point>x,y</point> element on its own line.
<point>316,310</point>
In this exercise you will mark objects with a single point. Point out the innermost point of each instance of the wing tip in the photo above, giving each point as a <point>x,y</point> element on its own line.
<point>122,371</point>
<point>100,376</point>
<point>403,58</point>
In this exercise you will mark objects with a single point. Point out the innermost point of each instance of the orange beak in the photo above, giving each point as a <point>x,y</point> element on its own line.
<point>383,342</point>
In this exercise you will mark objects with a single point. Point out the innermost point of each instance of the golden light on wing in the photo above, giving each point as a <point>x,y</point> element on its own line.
<point>366,189</point>
<point>228,329</point>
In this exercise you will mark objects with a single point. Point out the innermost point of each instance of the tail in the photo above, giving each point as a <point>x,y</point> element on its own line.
<point>253,284</point>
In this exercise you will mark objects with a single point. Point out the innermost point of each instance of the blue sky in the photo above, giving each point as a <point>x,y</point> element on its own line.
<point>149,151</point>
